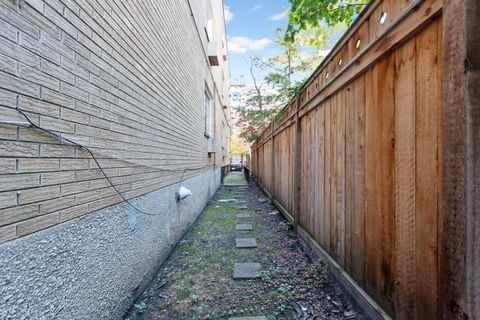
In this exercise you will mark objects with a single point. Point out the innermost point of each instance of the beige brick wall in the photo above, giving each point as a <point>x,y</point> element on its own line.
<point>124,78</point>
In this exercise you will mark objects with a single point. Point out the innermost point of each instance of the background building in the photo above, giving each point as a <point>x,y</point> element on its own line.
<point>144,86</point>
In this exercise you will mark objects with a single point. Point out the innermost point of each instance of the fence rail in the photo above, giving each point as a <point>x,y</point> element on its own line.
<point>356,160</point>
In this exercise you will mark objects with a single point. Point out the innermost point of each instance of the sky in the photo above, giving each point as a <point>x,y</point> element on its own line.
<point>251,26</point>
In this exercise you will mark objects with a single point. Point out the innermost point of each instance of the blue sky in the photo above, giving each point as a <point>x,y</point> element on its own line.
<point>251,27</point>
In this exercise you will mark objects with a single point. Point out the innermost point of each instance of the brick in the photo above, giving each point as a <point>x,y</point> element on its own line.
<point>20,213</point>
<point>8,199</point>
<point>8,233</point>
<point>56,204</point>
<point>87,130</point>
<point>100,123</point>
<point>61,22</point>
<point>13,83</point>
<point>99,143</point>
<point>57,72</point>
<point>39,77</point>
<point>18,149</point>
<point>7,65</point>
<point>87,86</point>
<point>57,177</point>
<point>55,5</point>
<point>89,175</point>
<point>57,151</point>
<point>7,98</point>
<point>99,82</point>
<point>7,165</point>
<point>39,48</point>
<point>73,212</point>
<point>19,22</point>
<point>38,165</point>
<point>33,12</point>
<point>87,65</point>
<point>34,135</point>
<point>76,139</point>
<point>99,184</point>
<point>37,224</point>
<point>74,68</point>
<point>104,202</point>
<point>36,4</point>
<point>79,48</point>
<point>86,197</point>
<point>57,125</point>
<point>77,22</point>
<point>38,106</point>
<point>74,164</point>
<point>75,116</point>
<point>8,31</point>
<point>72,188</point>
<point>19,181</point>
<point>74,92</point>
<point>8,133</point>
<point>38,194</point>
<point>57,98</point>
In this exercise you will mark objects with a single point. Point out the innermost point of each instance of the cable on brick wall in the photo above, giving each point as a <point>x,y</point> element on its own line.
<point>60,138</point>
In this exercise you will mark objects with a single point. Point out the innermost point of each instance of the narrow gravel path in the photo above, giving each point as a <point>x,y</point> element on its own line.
<point>196,281</point>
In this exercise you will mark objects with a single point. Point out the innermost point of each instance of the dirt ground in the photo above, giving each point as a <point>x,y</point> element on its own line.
<point>196,280</point>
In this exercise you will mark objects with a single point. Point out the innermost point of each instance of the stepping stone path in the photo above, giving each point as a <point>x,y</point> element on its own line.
<point>246,243</point>
<point>243,227</point>
<point>248,270</point>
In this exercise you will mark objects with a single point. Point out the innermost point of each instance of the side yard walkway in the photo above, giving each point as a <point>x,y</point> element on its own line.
<point>242,259</point>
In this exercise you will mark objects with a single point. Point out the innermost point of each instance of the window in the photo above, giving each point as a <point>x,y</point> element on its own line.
<point>208,115</point>
<point>208,20</point>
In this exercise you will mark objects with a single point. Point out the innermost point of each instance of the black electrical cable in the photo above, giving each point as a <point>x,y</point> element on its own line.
<point>59,137</point>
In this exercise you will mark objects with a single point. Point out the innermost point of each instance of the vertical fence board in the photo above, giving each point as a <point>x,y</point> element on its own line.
<point>328,177</point>
<point>340,166</point>
<point>359,183</point>
<point>428,99</point>
<point>334,175</point>
<point>405,178</point>
<point>349,176</point>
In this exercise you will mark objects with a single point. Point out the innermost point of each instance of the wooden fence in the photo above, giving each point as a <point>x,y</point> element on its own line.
<point>356,160</point>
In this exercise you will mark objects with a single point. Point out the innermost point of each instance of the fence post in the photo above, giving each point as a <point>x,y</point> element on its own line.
<point>297,165</point>
<point>272,191</point>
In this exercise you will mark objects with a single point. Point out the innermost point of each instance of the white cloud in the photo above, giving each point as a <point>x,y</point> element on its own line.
<point>256,8</point>
<point>228,14</point>
<point>243,44</point>
<point>279,16</point>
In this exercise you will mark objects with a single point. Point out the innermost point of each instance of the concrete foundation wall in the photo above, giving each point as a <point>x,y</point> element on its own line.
<point>92,267</point>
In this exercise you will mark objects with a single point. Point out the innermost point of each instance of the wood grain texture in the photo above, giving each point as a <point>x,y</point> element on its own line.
<point>405,101</point>
<point>427,99</point>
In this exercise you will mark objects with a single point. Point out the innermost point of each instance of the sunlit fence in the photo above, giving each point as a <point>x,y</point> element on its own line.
<point>356,160</point>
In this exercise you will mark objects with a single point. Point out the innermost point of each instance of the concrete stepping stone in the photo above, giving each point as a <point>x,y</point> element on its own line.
<point>249,318</point>
<point>243,226</point>
<point>246,243</point>
<point>241,207</point>
<point>246,270</point>
<point>244,215</point>
<point>227,200</point>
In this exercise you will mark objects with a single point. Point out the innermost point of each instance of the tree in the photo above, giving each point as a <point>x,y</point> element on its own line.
<point>237,146</point>
<point>297,60</point>
<point>305,14</point>
<point>284,72</point>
